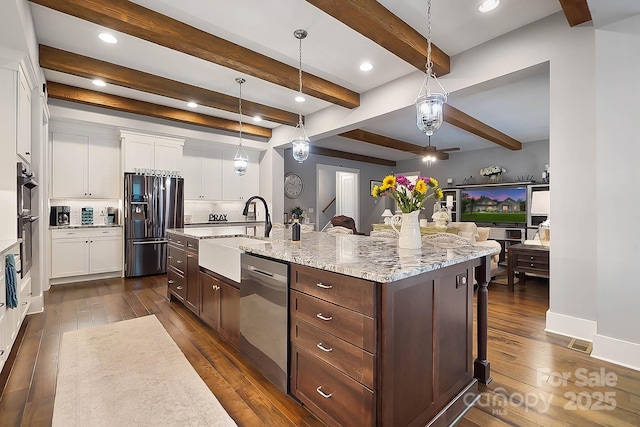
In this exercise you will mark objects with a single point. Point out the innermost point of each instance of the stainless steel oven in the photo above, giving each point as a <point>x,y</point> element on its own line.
<point>26,184</point>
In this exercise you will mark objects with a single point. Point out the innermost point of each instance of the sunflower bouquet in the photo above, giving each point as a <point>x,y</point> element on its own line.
<point>409,196</point>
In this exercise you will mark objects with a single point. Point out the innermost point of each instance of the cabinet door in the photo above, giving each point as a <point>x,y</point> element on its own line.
<point>138,153</point>
<point>69,257</point>
<point>24,119</point>
<point>105,254</point>
<point>209,300</point>
<point>229,313</point>
<point>168,156</point>
<point>192,174</point>
<point>192,299</point>
<point>104,168</point>
<point>211,176</point>
<point>235,187</point>
<point>69,165</point>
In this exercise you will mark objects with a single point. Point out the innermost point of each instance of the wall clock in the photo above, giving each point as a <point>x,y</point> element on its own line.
<point>293,185</point>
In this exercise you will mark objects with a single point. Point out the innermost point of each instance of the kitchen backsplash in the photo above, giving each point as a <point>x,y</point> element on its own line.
<point>99,209</point>
<point>198,211</point>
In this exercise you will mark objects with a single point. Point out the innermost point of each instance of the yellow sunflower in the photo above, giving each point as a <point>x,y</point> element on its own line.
<point>389,181</point>
<point>376,191</point>
<point>421,187</point>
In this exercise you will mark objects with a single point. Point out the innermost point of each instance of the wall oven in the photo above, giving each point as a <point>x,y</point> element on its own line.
<point>26,183</point>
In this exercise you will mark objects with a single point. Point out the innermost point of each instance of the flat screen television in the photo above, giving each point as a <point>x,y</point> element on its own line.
<point>505,206</point>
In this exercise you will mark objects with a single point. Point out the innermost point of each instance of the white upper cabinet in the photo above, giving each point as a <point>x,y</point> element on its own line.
<point>144,151</point>
<point>236,187</point>
<point>202,172</point>
<point>84,166</point>
<point>23,144</point>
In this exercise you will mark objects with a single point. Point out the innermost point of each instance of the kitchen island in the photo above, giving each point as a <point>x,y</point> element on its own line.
<point>379,334</point>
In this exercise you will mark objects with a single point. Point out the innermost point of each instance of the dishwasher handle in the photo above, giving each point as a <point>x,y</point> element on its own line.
<point>268,274</point>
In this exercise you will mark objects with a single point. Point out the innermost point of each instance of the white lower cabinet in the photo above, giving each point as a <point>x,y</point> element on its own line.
<point>77,252</point>
<point>11,318</point>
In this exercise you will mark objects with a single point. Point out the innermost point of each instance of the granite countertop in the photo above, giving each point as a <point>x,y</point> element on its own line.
<point>60,227</point>
<point>371,258</point>
<point>212,232</point>
<point>6,244</point>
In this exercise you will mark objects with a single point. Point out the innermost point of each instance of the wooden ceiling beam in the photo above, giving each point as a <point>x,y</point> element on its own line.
<point>321,151</point>
<point>375,22</point>
<point>380,140</point>
<point>119,103</point>
<point>83,66</point>
<point>462,120</point>
<point>135,20</point>
<point>576,11</point>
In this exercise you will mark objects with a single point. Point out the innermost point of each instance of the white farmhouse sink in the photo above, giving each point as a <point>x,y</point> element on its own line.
<point>222,255</point>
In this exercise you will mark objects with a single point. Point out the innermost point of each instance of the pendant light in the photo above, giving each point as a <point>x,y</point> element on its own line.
<point>241,160</point>
<point>429,158</point>
<point>299,139</point>
<point>429,104</point>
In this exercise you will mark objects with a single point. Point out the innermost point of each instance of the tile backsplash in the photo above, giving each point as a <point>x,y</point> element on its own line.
<point>198,210</point>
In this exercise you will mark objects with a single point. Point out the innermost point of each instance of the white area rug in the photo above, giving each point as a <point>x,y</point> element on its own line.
<point>130,373</point>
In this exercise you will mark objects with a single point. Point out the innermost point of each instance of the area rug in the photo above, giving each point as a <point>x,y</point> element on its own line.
<point>130,373</point>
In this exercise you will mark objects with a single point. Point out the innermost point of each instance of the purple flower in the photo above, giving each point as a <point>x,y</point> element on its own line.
<point>402,180</point>
<point>410,187</point>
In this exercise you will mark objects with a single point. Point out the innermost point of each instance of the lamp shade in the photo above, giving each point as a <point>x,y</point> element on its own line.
<point>387,213</point>
<point>540,203</point>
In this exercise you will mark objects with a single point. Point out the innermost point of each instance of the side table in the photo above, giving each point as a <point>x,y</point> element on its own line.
<point>533,259</point>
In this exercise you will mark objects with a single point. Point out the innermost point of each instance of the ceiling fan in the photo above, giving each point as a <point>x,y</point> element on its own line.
<point>431,151</point>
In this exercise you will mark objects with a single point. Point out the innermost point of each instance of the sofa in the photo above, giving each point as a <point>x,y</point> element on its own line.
<point>479,236</point>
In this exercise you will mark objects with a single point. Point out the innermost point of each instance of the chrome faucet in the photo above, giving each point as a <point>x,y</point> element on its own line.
<point>267,221</point>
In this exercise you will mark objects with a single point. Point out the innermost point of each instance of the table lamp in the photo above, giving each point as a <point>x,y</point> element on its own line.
<point>387,216</point>
<point>541,205</point>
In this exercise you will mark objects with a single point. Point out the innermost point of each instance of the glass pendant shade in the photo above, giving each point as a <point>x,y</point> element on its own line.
<point>240,161</point>
<point>300,143</point>
<point>429,113</point>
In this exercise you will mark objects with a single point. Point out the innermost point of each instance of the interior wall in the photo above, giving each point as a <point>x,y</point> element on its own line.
<point>370,208</point>
<point>618,250</point>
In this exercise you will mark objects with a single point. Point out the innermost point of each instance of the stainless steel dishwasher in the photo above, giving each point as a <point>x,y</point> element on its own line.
<point>264,328</point>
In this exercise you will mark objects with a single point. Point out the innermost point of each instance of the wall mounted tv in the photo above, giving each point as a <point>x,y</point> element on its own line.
<point>495,205</point>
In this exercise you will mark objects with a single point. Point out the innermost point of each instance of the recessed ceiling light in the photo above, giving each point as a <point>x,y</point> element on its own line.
<point>257,118</point>
<point>107,38</point>
<point>99,82</point>
<point>366,66</point>
<point>488,5</point>
<point>299,98</point>
<point>192,104</point>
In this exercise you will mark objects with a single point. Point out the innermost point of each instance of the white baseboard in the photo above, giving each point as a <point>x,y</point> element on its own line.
<point>616,351</point>
<point>75,279</point>
<point>570,326</point>
<point>37,304</point>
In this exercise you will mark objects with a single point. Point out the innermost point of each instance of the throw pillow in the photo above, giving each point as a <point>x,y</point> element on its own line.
<point>468,235</point>
<point>483,233</point>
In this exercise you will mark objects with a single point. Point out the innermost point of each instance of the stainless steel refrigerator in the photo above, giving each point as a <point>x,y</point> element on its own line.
<point>152,204</point>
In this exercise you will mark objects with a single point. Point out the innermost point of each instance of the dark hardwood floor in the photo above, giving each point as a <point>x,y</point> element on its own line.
<point>527,364</point>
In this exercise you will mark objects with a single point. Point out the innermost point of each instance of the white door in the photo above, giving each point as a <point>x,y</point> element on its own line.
<point>347,195</point>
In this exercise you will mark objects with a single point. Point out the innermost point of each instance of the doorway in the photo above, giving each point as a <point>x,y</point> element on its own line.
<point>337,193</point>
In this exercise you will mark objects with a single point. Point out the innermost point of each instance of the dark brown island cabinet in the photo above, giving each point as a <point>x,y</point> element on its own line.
<point>386,354</point>
<point>215,300</point>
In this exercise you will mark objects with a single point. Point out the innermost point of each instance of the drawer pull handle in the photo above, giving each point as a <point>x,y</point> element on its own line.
<point>170,257</point>
<point>323,348</point>
<point>1,304</point>
<point>323,394</point>
<point>1,352</point>
<point>321,317</point>
<point>171,282</point>
<point>24,303</point>
<point>190,256</point>
<point>179,288</point>
<point>531,257</point>
<point>216,288</point>
<point>179,261</point>
<point>532,265</point>
<point>323,286</point>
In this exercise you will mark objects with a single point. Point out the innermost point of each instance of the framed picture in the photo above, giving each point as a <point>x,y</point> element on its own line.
<point>373,184</point>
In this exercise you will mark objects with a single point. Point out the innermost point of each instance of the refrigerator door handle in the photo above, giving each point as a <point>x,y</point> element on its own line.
<point>151,242</point>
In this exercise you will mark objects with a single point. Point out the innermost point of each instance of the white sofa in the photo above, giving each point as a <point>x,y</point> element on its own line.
<point>479,236</point>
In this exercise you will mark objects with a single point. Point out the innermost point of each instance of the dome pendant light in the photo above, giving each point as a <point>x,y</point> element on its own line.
<point>429,105</point>
<point>299,139</point>
<point>240,160</point>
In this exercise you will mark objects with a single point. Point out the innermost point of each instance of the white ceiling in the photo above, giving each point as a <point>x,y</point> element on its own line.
<point>332,51</point>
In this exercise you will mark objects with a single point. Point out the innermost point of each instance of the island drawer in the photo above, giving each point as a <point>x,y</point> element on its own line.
<point>343,323</point>
<point>176,284</point>
<point>191,244</point>
<point>350,292</point>
<point>345,357</point>
<point>176,258</point>
<point>176,240</point>
<point>337,399</point>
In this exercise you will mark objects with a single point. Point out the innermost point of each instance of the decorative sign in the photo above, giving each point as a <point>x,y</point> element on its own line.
<point>157,172</point>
